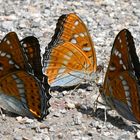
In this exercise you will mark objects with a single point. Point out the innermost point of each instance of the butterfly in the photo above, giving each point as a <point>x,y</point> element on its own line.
<point>70,56</point>
<point>121,85</point>
<point>20,91</point>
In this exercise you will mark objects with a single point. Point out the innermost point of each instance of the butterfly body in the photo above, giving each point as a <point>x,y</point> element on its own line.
<point>70,56</point>
<point>121,86</point>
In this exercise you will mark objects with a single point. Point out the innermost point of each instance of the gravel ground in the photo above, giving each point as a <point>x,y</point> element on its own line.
<point>72,113</point>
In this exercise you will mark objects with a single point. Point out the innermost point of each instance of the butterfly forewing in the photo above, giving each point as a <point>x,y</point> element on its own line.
<point>31,48</point>
<point>70,28</point>
<point>11,45</point>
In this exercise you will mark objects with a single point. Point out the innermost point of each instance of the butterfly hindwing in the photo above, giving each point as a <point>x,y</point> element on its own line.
<point>67,65</point>
<point>26,89</point>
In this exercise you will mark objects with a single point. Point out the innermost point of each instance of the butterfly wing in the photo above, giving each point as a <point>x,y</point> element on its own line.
<point>120,88</point>
<point>31,48</point>
<point>11,46</point>
<point>23,95</point>
<point>67,65</point>
<point>20,92</point>
<point>70,28</point>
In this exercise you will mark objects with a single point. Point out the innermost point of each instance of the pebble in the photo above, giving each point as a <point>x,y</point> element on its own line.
<point>90,88</point>
<point>19,119</point>
<point>28,121</point>
<point>63,111</point>
<point>18,137</point>
<point>70,105</point>
<point>56,114</point>
<point>77,119</point>
<point>138,135</point>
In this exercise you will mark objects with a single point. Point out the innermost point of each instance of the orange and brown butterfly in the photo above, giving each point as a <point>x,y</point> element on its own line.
<point>70,57</point>
<point>20,91</point>
<point>121,85</point>
<point>31,49</point>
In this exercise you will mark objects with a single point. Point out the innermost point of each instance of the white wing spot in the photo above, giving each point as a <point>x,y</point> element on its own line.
<point>81,34</point>
<point>73,41</point>
<point>76,35</point>
<point>120,55</point>
<point>8,55</point>
<point>116,52</point>
<point>124,67</point>
<point>121,62</point>
<point>126,88</point>
<point>121,77</point>
<point>18,81</point>
<point>24,45</point>
<point>65,62</point>
<point>124,82</point>
<point>119,39</point>
<point>16,66</point>
<point>21,90</point>
<point>8,42</point>
<point>3,54</point>
<point>86,48</point>
<point>76,22</point>
<point>112,68</point>
<point>1,68</point>
<point>11,62</point>
<point>127,94</point>
<point>20,85</point>
<point>70,53</point>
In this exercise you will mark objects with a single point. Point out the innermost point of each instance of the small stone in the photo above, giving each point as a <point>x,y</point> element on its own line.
<point>70,105</point>
<point>80,91</point>
<point>90,133</point>
<point>17,137</point>
<point>36,138</point>
<point>138,135</point>
<point>64,92</point>
<point>60,135</point>
<point>107,133</point>
<point>75,133</point>
<point>28,121</point>
<point>56,114</point>
<point>38,130</point>
<point>51,129</point>
<point>77,119</point>
<point>19,119</point>
<point>63,111</point>
<point>90,88</point>
<point>25,138</point>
